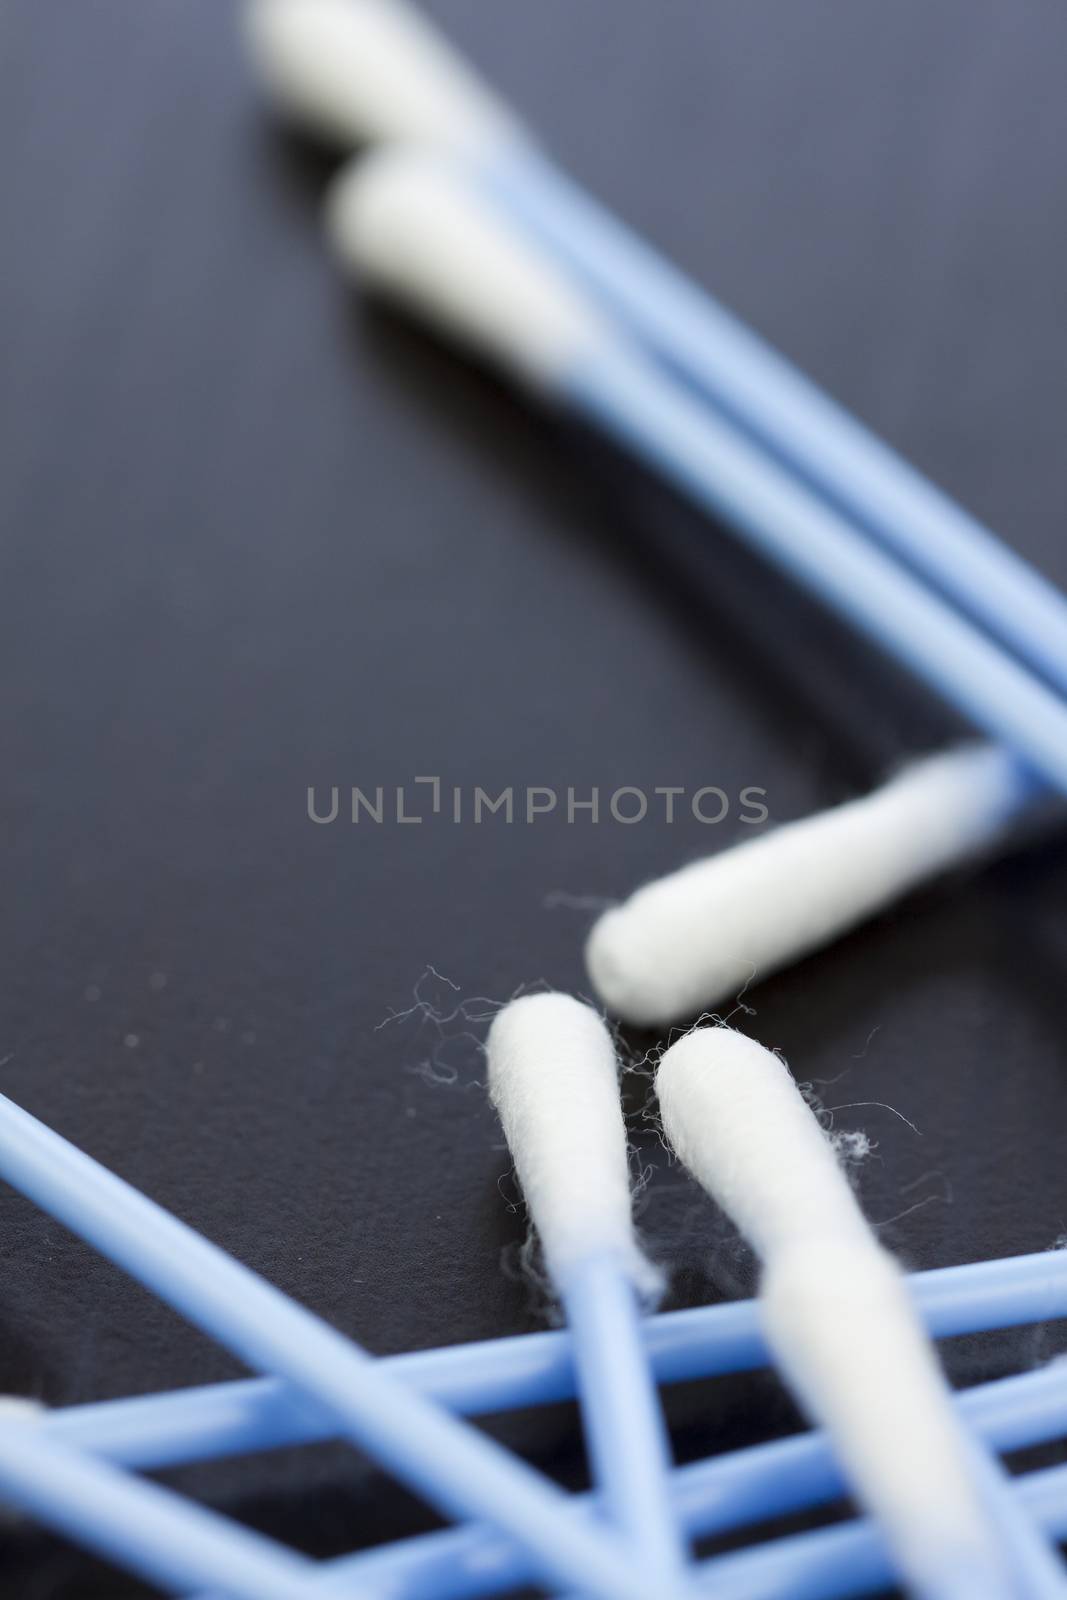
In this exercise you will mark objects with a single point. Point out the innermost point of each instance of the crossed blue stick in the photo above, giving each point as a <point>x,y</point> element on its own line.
<point>72,1469</point>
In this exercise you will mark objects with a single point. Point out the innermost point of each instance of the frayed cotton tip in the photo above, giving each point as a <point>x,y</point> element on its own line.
<point>422,233</point>
<point>687,942</point>
<point>350,71</point>
<point>735,1118</point>
<point>553,1079</point>
<point>836,1310</point>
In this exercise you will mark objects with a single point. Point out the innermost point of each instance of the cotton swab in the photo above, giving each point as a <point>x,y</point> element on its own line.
<point>457,1470</point>
<point>553,1079</point>
<point>838,1319</point>
<point>377,69</point>
<point>150,1531</point>
<point>534,1369</point>
<point>710,1498</point>
<point>371,70</point>
<point>417,230</point>
<point>687,941</point>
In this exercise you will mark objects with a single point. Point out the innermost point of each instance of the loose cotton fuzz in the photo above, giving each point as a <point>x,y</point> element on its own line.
<point>687,942</point>
<point>836,1309</point>
<point>553,1079</point>
<point>352,71</point>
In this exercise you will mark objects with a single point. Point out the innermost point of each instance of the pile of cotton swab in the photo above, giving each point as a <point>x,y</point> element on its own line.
<point>71,1469</point>
<point>479,235</point>
<point>354,71</point>
<point>359,70</point>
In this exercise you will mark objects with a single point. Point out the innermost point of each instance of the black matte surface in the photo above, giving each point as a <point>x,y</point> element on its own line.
<point>254,537</point>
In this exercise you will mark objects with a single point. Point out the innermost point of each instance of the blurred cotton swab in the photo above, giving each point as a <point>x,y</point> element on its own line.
<point>353,70</point>
<point>358,70</point>
<point>686,942</point>
<point>553,1079</point>
<point>418,231</point>
<point>458,1470</point>
<point>838,1319</point>
<point>710,1498</point>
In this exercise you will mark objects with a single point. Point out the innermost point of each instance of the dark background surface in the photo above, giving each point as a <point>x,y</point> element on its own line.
<point>254,536</point>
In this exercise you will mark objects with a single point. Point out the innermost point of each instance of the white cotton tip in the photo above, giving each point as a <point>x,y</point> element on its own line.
<point>734,1116</point>
<point>357,70</point>
<point>687,942</point>
<point>836,1311</point>
<point>553,1079</point>
<point>421,232</point>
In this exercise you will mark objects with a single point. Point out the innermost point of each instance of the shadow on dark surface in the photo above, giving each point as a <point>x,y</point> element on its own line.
<point>827,691</point>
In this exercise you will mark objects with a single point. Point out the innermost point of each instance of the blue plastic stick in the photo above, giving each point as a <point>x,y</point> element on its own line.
<point>152,1532</point>
<point>183,1548</point>
<point>624,1427</point>
<point>724,473</point>
<point>455,1468</point>
<point>789,414</point>
<point>203,1423</point>
<point>713,1498</point>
